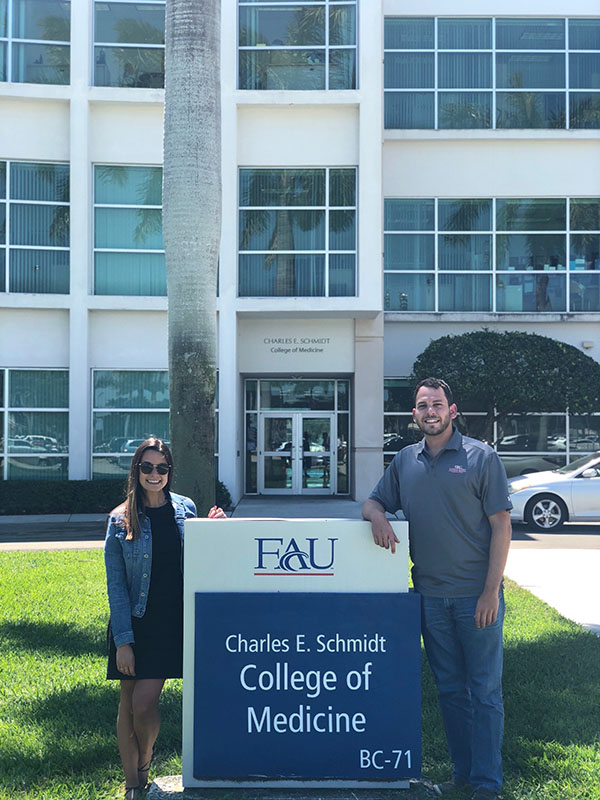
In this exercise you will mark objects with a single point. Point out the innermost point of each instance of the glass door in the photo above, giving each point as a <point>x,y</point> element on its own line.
<point>295,453</point>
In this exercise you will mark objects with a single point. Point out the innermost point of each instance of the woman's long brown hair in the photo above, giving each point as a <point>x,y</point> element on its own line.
<point>134,502</point>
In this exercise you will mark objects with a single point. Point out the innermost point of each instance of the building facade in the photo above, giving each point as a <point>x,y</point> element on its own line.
<point>392,173</point>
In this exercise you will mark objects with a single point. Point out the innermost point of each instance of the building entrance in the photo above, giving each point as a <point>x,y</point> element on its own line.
<point>296,451</point>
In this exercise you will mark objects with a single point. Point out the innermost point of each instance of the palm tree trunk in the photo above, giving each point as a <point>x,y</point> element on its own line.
<point>192,229</point>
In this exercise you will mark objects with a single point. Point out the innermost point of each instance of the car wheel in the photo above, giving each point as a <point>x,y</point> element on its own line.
<point>546,512</point>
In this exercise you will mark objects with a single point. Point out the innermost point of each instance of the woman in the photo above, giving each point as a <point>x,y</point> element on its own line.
<point>143,557</point>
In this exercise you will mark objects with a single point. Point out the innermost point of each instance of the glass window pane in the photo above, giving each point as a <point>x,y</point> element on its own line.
<point>530,292</point>
<point>464,251</point>
<point>131,389</point>
<point>342,187</point>
<point>130,228</point>
<point>251,389</point>
<point>137,186</point>
<point>39,225</point>
<point>292,275</point>
<point>584,34</point>
<point>272,25</point>
<point>342,275</point>
<point>397,396</point>
<point>531,215</point>
<point>409,71</point>
<point>530,34</point>
<point>251,458</point>
<point>409,110</point>
<point>40,467</point>
<point>399,431</point>
<point>584,292</point>
<point>282,69</point>
<point>585,214</point>
<point>42,19</point>
<point>2,271</point>
<point>584,70</point>
<point>409,292</point>
<point>132,23</point>
<point>342,69</point>
<point>530,110</point>
<point>342,230</point>
<point>282,187</point>
<point>465,70</point>
<point>130,274</point>
<point>409,251</point>
<point>464,34</point>
<point>46,182</point>
<point>43,271</point>
<point>42,432</point>
<point>465,215</point>
<point>3,75</point>
<point>41,63</point>
<point>342,25</point>
<point>343,438</point>
<point>584,251</point>
<point>532,251</point>
<point>537,432</point>
<point>530,70</point>
<point>2,180</point>
<point>300,229</point>
<point>584,433</point>
<point>3,18</point>
<point>343,395</point>
<point>409,215</point>
<point>409,33</point>
<point>2,223</point>
<point>129,67</point>
<point>464,292</point>
<point>121,432</point>
<point>38,389</point>
<point>297,394</point>
<point>464,110</point>
<point>584,110</point>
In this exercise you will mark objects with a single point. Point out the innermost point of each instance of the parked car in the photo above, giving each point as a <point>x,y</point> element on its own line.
<point>545,500</point>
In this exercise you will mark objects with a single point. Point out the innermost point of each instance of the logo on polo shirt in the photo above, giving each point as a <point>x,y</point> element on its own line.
<point>457,469</point>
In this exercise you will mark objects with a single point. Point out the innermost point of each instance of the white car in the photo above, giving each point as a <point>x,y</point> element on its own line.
<point>545,500</point>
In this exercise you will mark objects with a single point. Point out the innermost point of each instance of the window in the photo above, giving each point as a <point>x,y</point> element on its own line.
<point>128,407</point>
<point>34,227</point>
<point>492,73</point>
<point>291,45</point>
<point>525,442</point>
<point>129,254</point>
<point>129,44</point>
<point>483,255</point>
<point>34,41</point>
<point>34,424</point>
<point>297,233</point>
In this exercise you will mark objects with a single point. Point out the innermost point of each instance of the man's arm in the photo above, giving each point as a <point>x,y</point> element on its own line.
<point>383,535</point>
<point>486,612</point>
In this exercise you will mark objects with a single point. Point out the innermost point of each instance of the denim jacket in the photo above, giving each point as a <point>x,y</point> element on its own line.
<point>129,566</point>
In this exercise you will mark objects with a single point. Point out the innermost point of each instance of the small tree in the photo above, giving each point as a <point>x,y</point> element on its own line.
<point>512,373</point>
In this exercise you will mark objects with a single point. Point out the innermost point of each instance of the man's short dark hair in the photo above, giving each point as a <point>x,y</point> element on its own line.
<point>434,383</point>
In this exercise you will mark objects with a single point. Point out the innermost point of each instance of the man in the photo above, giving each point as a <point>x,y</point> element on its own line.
<point>453,492</point>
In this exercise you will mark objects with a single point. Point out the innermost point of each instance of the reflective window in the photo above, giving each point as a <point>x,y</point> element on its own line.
<point>506,255</point>
<point>128,243</point>
<point>129,44</point>
<point>310,45</point>
<point>35,41</point>
<point>34,227</point>
<point>447,73</point>
<point>297,233</point>
<point>34,426</point>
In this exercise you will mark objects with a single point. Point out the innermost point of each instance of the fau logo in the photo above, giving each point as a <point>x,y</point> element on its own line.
<point>281,557</point>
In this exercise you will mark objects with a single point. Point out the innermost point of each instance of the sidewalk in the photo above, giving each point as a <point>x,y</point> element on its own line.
<point>565,577</point>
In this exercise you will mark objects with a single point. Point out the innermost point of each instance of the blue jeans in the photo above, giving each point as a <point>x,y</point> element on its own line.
<point>467,666</point>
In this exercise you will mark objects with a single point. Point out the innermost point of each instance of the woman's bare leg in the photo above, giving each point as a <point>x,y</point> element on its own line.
<point>126,738</point>
<point>138,723</point>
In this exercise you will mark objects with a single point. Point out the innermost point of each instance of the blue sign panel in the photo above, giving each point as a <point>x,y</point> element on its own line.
<point>307,687</point>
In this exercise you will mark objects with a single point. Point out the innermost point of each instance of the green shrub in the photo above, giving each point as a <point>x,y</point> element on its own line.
<point>72,497</point>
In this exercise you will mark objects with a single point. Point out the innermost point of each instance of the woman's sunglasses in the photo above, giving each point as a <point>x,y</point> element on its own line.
<point>147,468</point>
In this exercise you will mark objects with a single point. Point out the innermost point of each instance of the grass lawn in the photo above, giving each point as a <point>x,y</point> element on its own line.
<point>57,711</point>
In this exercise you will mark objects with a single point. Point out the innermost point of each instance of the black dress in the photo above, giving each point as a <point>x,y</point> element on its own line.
<point>158,634</point>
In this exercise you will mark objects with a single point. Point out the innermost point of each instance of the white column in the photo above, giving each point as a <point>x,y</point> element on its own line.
<point>367,433</point>
<point>79,378</point>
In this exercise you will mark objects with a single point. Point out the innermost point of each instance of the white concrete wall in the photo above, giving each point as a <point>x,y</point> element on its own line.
<point>37,338</point>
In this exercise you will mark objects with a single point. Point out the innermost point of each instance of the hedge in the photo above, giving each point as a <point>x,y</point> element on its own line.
<point>72,497</point>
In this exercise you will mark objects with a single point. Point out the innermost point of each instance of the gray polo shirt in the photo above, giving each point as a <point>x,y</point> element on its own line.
<point>447,501</point>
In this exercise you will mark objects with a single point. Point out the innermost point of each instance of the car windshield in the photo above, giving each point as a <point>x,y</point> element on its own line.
<point>579,462</point>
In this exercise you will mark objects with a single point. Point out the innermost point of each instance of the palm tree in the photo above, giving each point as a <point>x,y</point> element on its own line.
<point>192,229</point>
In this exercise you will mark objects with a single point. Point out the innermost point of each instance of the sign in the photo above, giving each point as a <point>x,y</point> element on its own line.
<point>302,657</point>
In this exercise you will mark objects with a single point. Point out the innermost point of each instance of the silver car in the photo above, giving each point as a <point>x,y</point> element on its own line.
<point>545,500</point>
